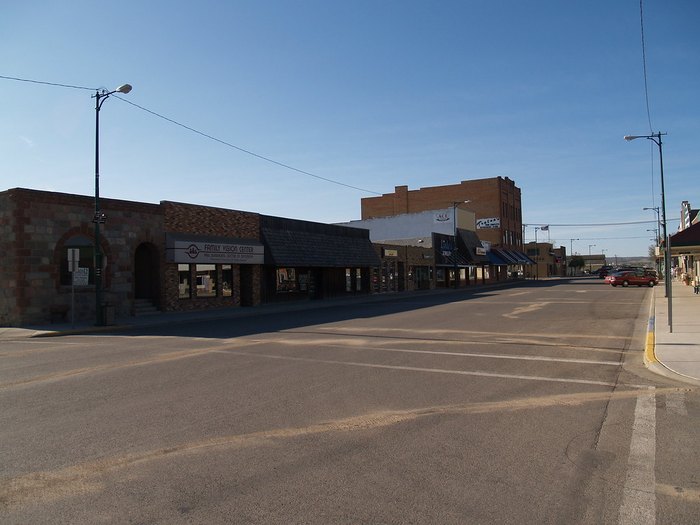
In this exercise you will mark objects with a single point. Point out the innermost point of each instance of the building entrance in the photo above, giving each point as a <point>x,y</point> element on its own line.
<point>147,273</point>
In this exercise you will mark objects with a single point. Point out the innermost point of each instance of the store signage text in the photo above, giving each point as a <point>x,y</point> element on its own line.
<point>204,252</point>
<point>489,223</point>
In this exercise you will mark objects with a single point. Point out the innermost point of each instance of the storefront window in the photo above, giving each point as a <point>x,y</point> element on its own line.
<point>358,279</point>
<point>286,280</point>
<point>183,272</point>
<point>206,280</point>
<point>226,280</point>
<point>348,280</point>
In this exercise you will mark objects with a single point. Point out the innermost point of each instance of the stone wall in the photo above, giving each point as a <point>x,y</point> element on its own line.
<point>37,225</point>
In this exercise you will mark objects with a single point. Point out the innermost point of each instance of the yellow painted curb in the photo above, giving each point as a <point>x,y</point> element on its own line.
<point>650,347</point>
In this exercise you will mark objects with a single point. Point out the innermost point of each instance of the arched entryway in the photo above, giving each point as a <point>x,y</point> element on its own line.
<point>147,274</point>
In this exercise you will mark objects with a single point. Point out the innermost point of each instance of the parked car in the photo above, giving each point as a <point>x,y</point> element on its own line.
<point>628,277</point>
<point>604,271</point>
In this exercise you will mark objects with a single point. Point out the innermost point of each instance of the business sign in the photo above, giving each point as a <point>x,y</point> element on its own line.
<point>442,216</point>
<point>218,253</point>
<point>488,224</point>
<point>390,253</point>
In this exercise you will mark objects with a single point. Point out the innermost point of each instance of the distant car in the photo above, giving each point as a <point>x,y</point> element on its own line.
<point>604,271</point>
<point>628,277</point>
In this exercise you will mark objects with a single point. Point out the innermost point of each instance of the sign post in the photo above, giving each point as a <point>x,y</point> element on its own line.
<point>73,262</point>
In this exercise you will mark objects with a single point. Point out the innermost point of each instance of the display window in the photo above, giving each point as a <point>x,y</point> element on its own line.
<point>287,280</point>
<point>226,280</point>
<point>206,280</point>
<point>86,250</point>
<point>184,289</point>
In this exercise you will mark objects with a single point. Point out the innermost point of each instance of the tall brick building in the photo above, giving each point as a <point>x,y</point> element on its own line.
<point>495,201</point>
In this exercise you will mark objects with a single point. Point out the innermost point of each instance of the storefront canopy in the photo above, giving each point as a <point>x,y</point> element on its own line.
<point>302,244</point>
<point>686,242</point>
<point>470,242</point>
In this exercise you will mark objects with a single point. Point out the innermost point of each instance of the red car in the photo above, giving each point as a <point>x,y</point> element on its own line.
<point>638,278</point>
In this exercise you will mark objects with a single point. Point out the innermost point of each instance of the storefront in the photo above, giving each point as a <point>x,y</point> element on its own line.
<point>403,268</point>
<point>308,260</point>
<point>214,270</point>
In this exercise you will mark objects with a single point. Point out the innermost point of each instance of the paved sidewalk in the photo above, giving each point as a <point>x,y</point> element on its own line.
<point>674,351</point>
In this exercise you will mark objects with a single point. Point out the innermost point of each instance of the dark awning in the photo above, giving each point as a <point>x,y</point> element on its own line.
<point>505,255</point>
<point>521,257</point>
<point>470,242</point>
<point>445,254</point>
<point>495,259</point>
<point>299,244</point>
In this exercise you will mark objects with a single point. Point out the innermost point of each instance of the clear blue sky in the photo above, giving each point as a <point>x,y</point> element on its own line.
<point>369,93</point>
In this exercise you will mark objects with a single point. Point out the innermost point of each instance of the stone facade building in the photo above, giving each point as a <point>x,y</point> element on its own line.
<point>168,256</point>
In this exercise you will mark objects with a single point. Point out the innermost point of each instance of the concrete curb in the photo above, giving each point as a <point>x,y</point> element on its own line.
<point>651,362</point>
<point>649,349</point>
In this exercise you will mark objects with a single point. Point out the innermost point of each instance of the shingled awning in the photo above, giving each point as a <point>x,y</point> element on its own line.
<point>302,244</point>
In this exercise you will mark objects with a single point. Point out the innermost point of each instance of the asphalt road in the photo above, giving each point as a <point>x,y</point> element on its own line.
<point>520,405</point>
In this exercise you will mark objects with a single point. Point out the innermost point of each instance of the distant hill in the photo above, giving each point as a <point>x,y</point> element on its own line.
<point>632,261</point>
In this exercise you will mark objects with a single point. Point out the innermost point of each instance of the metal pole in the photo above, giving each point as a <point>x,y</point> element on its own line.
<point>96,219</point>
<point>670,287</point>
<point>454,248</point>
<point>667,266</point>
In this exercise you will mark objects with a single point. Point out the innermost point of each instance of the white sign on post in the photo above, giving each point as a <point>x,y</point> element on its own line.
<point>81,276</point>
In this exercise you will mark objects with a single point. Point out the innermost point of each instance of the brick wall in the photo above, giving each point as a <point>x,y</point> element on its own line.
<point>486,196</point>
<point>205,220</point>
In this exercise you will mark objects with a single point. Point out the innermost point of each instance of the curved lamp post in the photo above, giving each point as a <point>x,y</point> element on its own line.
<point>454,248</point>
<point>100,96</point>
<point>656,139</point>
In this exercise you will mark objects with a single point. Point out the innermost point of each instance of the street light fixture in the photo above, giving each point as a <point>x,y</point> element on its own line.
<point>571,253</point>
<point>590,265</point>
<point>100,96</point>
<point>656,139</point>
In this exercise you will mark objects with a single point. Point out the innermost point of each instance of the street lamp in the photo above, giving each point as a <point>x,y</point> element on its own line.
<point>656,139</point>
<point>590,266</point>
<point>571,243</point>
<point>455,204</point>
<point>100,96</point>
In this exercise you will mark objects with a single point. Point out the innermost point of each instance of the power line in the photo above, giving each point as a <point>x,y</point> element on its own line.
<point>47,83</point>
<point>644,63</point>
<point>243,150</point>
<point>591,224</point>
<point>646,97</point>
<point>206,135</point>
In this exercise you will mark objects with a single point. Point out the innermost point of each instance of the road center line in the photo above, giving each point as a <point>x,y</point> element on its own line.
<point>455,354</point>
<point>430,370</point>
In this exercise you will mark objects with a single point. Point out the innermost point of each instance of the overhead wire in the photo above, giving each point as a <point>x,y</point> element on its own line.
<point>646,98</point>
<point>201,133</point>
<point>243,150</point>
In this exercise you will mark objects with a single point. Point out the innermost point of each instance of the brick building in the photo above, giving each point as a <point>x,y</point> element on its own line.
<point>171,256</point>
<point>496,203</point>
